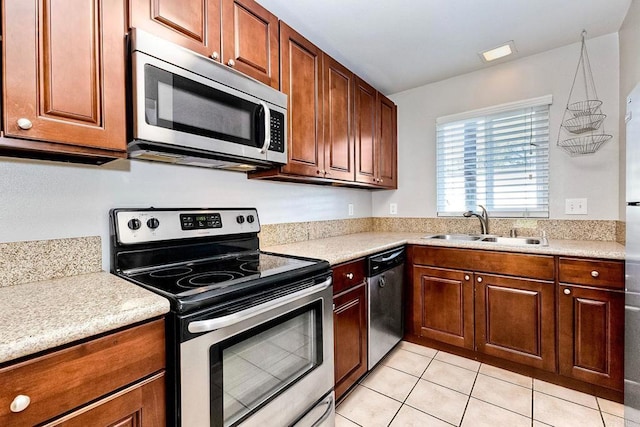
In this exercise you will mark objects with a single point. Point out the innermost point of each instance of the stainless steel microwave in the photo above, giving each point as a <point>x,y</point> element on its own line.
<point>188,109</point>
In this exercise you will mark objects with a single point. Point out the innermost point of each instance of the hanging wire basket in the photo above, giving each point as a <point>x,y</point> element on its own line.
<point>583,117</point>
<point>584,108</point>
<point>588,144</point>
<point>586,123</point>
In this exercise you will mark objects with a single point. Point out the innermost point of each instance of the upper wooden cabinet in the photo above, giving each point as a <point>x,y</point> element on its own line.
<point>64,74</point>
<point>365,123</point>
<point>239,33</point>
<point>387,142</point>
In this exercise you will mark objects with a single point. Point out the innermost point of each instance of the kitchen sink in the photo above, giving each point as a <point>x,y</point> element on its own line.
<point>513,240</point>
<point>480,238</point>
<point>467,237</point>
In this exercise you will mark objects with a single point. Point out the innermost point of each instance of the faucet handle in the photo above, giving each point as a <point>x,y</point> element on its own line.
<point>543,238</point>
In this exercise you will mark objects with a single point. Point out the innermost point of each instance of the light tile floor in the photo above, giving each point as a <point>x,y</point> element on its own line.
<point>419,386</point>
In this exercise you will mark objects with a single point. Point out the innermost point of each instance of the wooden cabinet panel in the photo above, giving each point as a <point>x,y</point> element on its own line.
<point>387,142</point>
<point>194,24</point>
<point>301,82</point>
<point>348,275</point>
<point>350,337</point>
<point>591,331</point>
<point>514,320</point>
<point>64,71</point>
<point>250,40</point>
<point>63,380</point>
<point>141,405</point>
<point>365,129</point>
<point>602,274</point>
<point>524,265</point>
<point>443,300</point>
<point>338,85</point>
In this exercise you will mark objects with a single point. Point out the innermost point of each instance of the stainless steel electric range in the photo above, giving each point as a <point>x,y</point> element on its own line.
<point>250,333</point>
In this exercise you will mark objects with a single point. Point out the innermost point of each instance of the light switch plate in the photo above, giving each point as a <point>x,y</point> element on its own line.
<point>575,207</point>
<point>393,208</point>
<point>350,209</point>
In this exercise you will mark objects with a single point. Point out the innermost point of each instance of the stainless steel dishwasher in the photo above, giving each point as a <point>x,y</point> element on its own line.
<point>385,283</point>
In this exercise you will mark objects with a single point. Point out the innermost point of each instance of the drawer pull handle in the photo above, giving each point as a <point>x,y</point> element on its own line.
<point>567,291</point>
<point>349,276</point>
<point>20,403</point>
<point>466,277</point>
<point>479,279</point>
<point>594,273</point>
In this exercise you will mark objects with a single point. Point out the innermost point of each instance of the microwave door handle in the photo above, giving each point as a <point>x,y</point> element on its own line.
<point>267,127</point>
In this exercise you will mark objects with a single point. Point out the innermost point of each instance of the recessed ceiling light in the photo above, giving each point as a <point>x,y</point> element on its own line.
<point>498,52</point>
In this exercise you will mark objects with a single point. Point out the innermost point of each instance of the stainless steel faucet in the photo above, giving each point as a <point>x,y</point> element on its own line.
<point>484,219</point>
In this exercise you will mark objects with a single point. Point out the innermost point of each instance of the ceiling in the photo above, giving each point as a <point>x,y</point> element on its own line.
<point>402,44</point>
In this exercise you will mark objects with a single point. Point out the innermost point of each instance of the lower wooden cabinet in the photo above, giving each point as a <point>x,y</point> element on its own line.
<point>349,326</point>
<point>444,309</point>
<point>114,380</point>
<point>591,335</point>
<point>514,319</point>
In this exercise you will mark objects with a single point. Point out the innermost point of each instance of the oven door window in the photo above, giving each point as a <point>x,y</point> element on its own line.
<point>175,102</point>
<point>250,369</point>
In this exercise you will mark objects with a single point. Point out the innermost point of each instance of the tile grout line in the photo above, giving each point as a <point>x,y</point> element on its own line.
<point>469,396</point>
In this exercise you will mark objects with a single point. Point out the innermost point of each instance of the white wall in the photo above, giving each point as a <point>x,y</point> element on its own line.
<point>629,35</point>
<point>47,200</point>
<point>593,177</point>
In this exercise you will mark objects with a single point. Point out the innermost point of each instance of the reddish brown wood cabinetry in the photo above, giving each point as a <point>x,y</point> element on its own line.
<point>82,380</point>
<point>376,137</point>
<point>64,74</point>
<point>443,307</point>
<point>239,33</point>
<point>514,319</point>
<point>591,322</point>
<point>349,325</point>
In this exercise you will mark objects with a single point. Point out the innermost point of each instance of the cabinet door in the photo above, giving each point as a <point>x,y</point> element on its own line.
<point>301,81</point>
<point>64,71</point>
<point>443,305</point>
<point>387,142</point>
<point>591,331</point>
<point>141,405</point>
<point>250,40</point>
<point>515,320</point>
<point>350,337</point>
<point>365,132</point>
<point>194,24</point>
<point>337,103</point>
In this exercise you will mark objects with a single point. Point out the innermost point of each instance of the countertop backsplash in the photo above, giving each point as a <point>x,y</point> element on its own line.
<point>37,260</point>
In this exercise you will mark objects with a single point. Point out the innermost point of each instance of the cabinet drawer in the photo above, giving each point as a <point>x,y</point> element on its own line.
<point>602,274</point>
<point>63,380</point>
<point>348,275</point>
<point>510,264</point>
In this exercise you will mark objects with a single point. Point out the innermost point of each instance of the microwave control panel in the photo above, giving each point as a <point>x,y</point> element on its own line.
<point>277,132</point>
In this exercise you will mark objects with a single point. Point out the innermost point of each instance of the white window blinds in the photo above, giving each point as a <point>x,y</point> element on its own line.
<point>496,157</point>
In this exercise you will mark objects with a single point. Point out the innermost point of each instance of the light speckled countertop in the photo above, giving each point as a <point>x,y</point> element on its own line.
<point>41,315</point>
<point>345,248</point>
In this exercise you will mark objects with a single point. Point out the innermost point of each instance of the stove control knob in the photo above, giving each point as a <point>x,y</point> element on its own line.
<point>153,223</point>
<point>250,219</point>
<point>134,224</point>
<point>240,219</point>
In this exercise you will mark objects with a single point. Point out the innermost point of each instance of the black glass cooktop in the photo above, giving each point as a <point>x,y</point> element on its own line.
<point>218,275</point>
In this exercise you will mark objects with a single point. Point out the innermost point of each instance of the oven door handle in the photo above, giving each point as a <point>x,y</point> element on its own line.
<point>200,326</point>
<point>267,127</point>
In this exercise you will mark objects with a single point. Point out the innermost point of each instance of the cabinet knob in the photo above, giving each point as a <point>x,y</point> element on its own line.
<point>215,55</point>
<point>20,403</point>
<point>349,276</point>
<point>466,277</point>
<point>24,123</point>
<point>594,273</point>
<point>231,63</point>
<point>567,291</point>
<point>479,279</point>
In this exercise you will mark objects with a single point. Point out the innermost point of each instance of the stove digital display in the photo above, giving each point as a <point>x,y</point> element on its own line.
<point>198,222</point>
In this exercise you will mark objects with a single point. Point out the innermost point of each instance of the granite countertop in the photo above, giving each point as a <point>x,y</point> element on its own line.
<point>42,315</point>
<point>352,246</point>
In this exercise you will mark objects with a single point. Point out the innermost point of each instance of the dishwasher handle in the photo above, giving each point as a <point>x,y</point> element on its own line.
<point>385,261</point>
